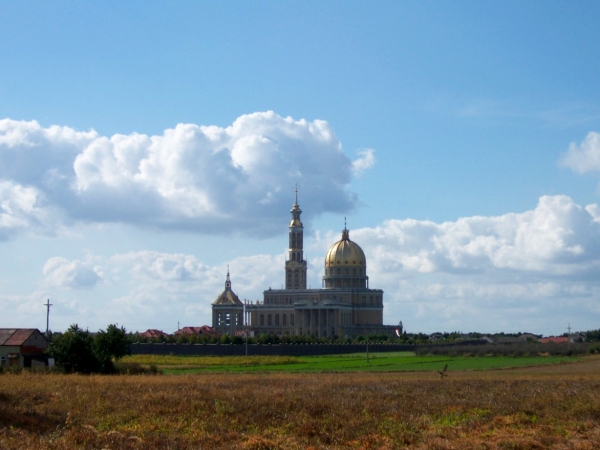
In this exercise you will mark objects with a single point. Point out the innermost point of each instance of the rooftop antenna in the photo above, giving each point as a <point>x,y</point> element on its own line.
<point>47,305</point>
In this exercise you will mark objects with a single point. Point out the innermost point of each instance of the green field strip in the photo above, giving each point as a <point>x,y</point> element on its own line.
<point>377,364</point>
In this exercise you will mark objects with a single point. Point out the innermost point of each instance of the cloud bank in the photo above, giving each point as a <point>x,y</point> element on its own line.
<point>557,238</point>
<point>197,178</point>
<point>532,270</point>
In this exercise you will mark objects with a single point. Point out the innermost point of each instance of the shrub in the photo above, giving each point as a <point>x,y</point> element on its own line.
<point>77,351</point>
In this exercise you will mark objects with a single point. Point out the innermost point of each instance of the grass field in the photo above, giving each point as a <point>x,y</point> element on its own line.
<point>385,362</point>
<point>533,407</point>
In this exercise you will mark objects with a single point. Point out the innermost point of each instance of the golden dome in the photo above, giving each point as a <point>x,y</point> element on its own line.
<point>345,253</point>
<point>296,211</point>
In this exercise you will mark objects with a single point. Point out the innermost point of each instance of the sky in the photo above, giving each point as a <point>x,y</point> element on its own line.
<point>145,147</point>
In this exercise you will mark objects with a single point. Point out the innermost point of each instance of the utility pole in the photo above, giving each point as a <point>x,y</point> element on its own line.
<point>569,337</point>
<point>367,346</point>
<point>47,305</point>
<point>246,324</point>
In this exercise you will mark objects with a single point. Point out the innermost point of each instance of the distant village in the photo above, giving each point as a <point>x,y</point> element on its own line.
<point>26,347</point>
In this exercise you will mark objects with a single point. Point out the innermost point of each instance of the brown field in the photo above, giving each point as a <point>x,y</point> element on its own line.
<point>528,408</point>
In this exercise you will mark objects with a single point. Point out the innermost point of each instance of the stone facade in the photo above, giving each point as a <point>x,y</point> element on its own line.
<point>344,306</point>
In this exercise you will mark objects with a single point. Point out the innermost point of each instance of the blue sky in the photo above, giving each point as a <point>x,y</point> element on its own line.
<point>457,137</point>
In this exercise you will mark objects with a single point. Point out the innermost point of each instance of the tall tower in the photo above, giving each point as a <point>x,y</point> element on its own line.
<point>295,266</point>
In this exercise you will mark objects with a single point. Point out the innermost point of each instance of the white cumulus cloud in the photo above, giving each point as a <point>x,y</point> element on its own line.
<point>558,237</point>
<point>584,157</point>
<point>23,207</point>
<point>63,273</point>
<point>200,178</point>
<point>365,161</point>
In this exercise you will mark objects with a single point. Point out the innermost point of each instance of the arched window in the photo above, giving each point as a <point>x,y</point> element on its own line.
<point>218,318</point>
<point>371,300</point>
<point>339,272</point>
<point>291,319</point>
<point>269,321</point>
<point>262,320</point>
<point>276,319</point>
<point>364,300</point>
<point>284,318</point>
<point>346,272</point>
<point>293,257</point>
<point>354,271</point>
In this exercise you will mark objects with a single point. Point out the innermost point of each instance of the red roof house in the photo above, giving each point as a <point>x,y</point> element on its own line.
<point>204,330</point>
<point>151,333</point>
<point>22,347</point>
<point>555,340</point>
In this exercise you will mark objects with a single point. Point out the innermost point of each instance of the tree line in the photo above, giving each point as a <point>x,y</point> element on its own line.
<point>78,351</point>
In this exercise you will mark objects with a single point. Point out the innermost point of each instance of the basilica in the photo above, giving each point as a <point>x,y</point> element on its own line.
<point>344,306</point>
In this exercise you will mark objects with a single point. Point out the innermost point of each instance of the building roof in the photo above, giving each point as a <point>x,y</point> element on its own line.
<point>152,333</point>
<point>16,336</point>
<point>228,297</point>
<point>204,329</point>
<point>554,340</point>
<point>345,253</point>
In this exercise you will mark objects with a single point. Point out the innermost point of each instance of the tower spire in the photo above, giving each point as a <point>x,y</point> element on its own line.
<point>296,200</point>
<point>295,266</point>
<point>345,232</point>
<point>227,281</point>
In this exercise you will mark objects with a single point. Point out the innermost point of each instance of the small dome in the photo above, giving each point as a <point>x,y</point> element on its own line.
<point>227,297</point>
<point>345,253</point>
<point>296,211</point>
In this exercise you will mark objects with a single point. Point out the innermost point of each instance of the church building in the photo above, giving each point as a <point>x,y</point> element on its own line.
<point>344,306</point>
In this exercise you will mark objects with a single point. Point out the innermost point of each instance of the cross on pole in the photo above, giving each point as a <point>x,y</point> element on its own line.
<point>47,305</point>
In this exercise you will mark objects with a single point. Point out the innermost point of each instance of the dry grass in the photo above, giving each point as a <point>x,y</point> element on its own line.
<point>534,408</point>
<point>174,360</point>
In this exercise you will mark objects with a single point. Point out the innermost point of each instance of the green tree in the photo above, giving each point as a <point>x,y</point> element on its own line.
<point>74,350</point>
<point>111,344</point>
